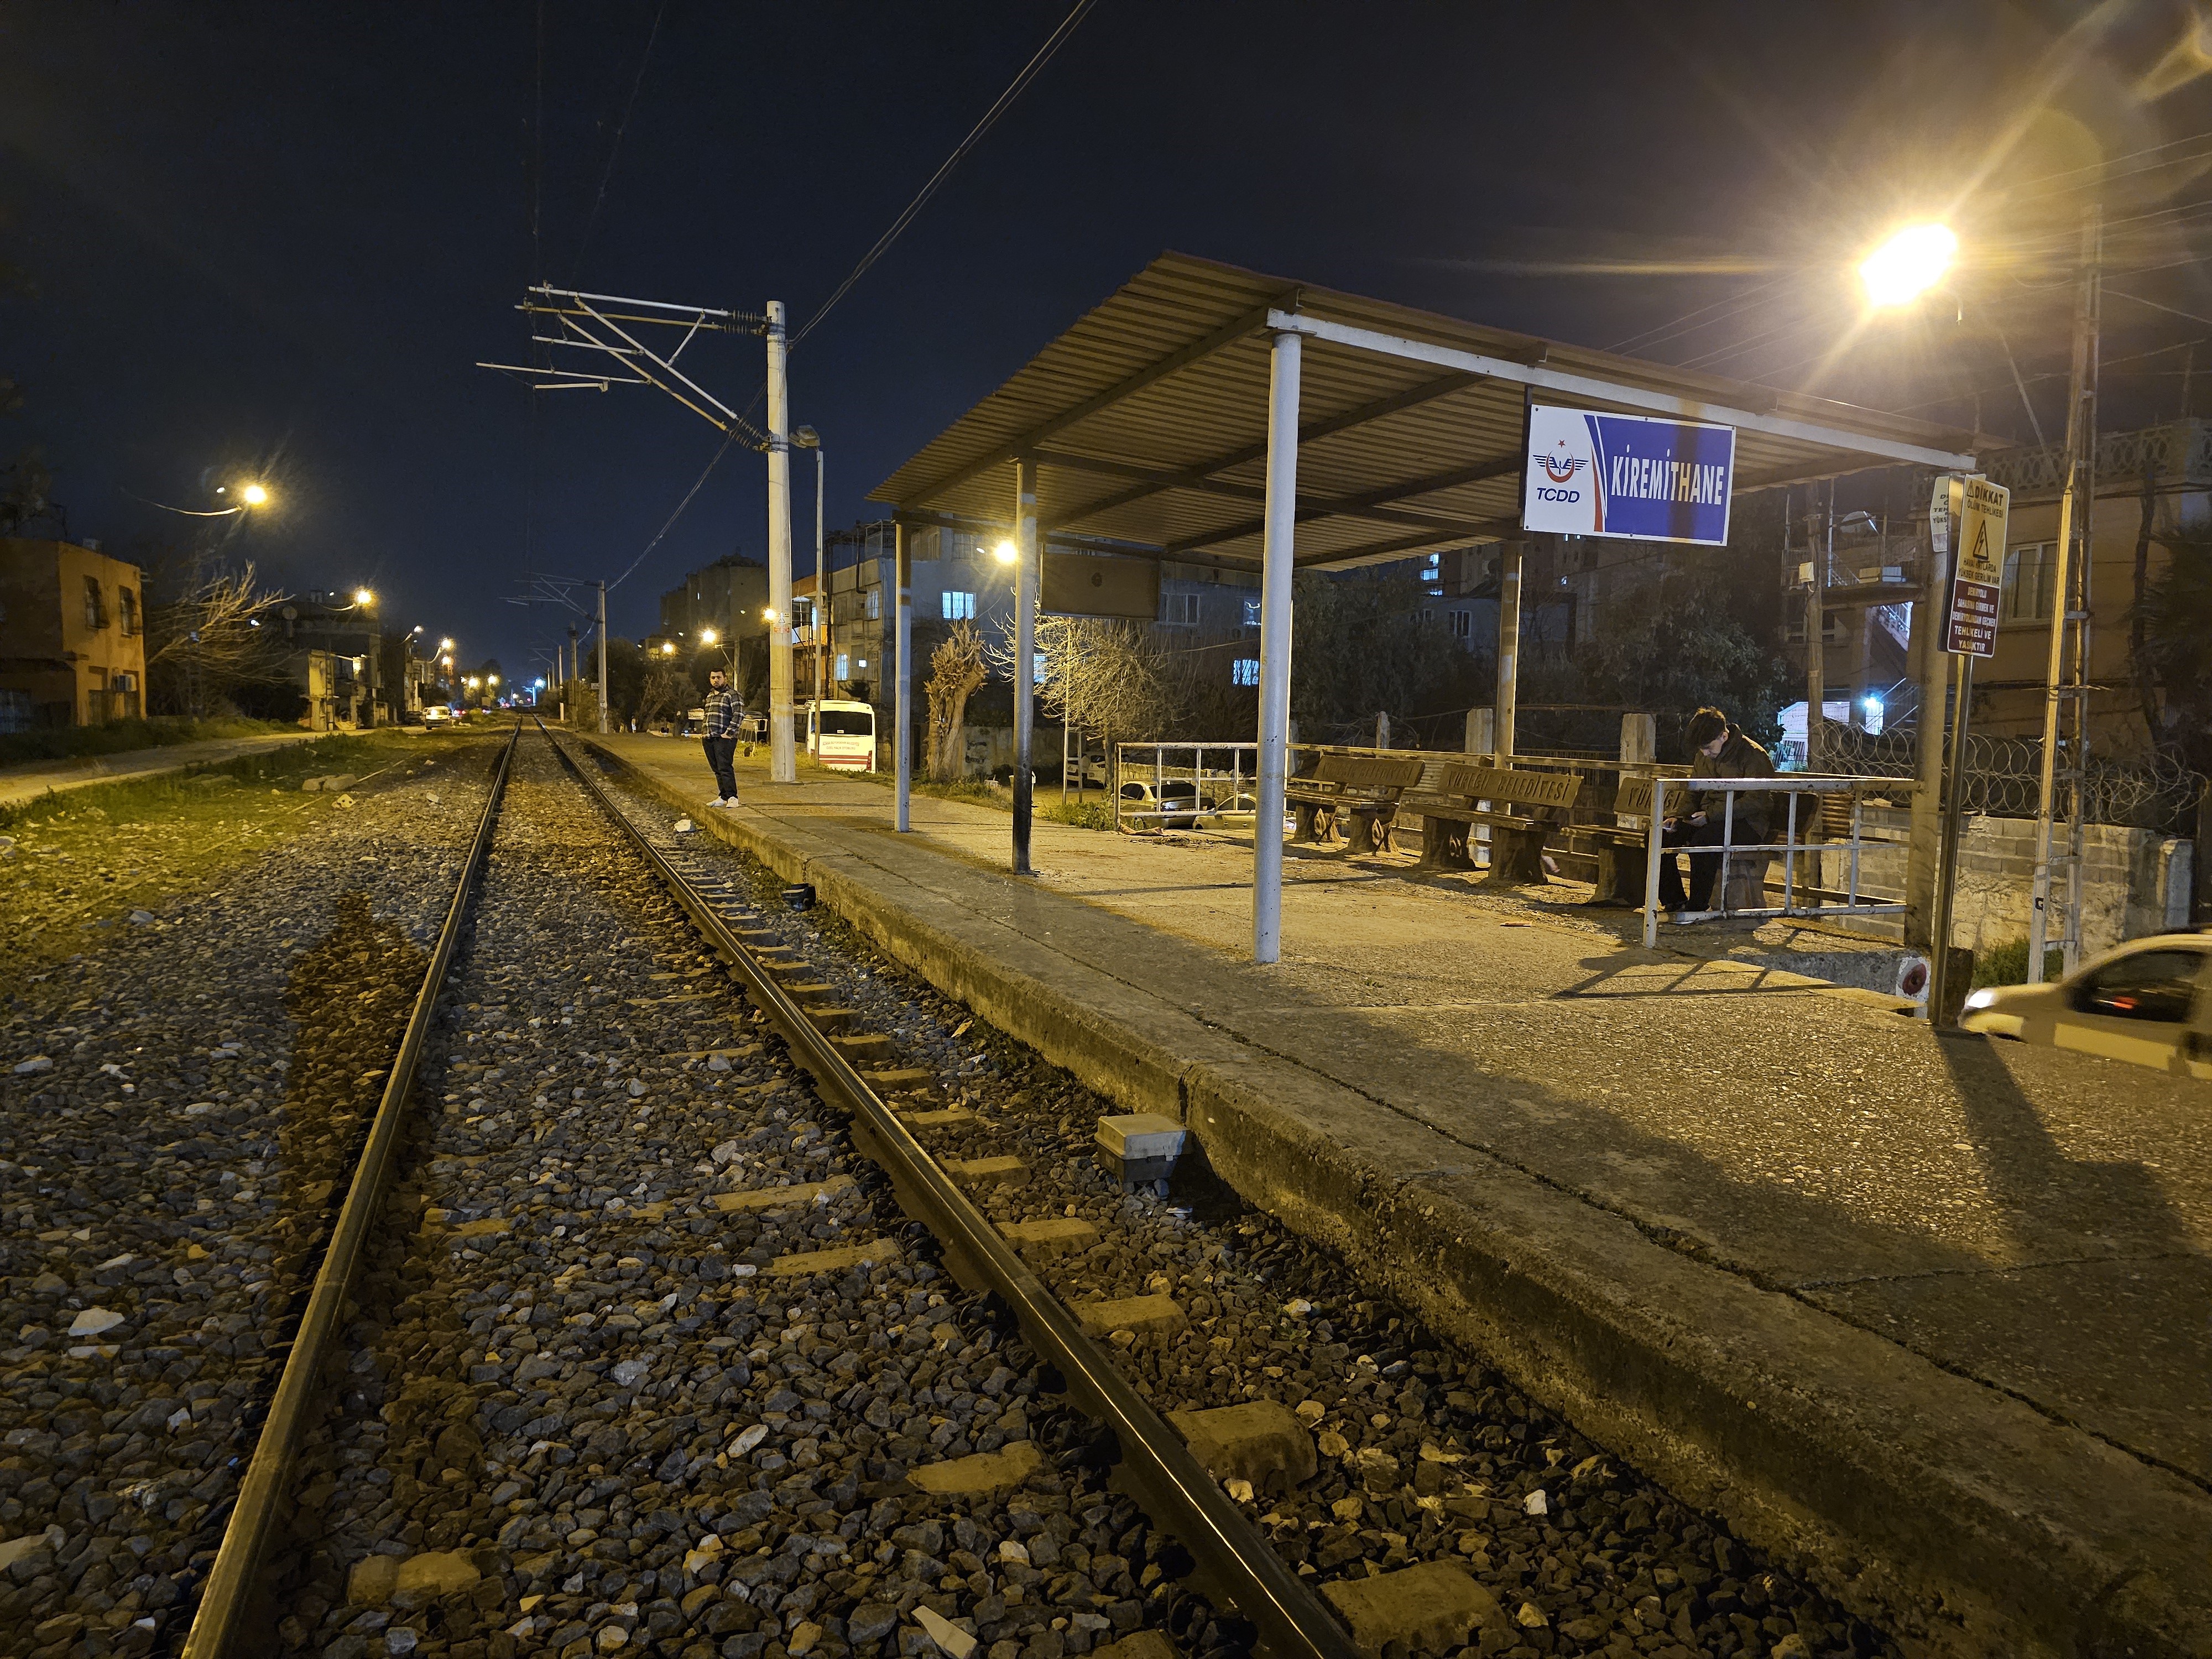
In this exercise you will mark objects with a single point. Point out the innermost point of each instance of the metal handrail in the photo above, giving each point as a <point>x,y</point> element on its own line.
<point>1180,1495</point>
<point>262,1494</point>
<point>1789,785</point>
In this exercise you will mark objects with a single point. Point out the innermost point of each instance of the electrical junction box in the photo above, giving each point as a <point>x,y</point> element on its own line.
<point>1140,1151</point>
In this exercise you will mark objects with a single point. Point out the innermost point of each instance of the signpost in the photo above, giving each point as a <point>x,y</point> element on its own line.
<point>1627,476</point>
<point>1969,515</point>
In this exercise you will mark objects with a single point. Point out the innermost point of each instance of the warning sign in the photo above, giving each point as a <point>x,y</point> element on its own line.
<point>1979,512</point>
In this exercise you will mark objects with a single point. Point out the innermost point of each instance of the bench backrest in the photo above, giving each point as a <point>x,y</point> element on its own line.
<point>1494,783</point>
<point>1368,771</point>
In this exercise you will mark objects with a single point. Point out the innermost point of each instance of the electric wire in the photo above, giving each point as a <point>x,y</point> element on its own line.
<point>1029,72</point>
<point>607,174</point>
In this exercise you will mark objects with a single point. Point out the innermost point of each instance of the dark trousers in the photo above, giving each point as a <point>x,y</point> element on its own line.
<point>721,752</point>
<point>1703,866</point>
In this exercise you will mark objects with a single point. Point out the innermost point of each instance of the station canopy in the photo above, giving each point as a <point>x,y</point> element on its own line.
<point>1147,420</point>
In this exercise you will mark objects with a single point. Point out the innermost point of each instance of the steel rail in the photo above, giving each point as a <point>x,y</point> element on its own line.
<point>1178,1492</point>
<point>265,1491</point>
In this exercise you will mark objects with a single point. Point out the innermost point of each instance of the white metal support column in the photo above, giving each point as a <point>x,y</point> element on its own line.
<point>1511,556</point>
<point>782,765</point>
<point>902,651</point>
<point>1025,604</point>
<point>1279,519</point>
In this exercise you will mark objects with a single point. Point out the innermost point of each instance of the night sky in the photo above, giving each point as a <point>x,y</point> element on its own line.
<point>272,239</point>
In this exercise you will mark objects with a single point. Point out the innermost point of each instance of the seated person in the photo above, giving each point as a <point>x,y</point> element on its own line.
<point>1721,750</point>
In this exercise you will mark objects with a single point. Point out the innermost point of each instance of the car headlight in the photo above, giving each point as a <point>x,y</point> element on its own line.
<point>1982,998</point>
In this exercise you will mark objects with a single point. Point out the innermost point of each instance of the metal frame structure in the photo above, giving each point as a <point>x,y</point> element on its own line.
<point>1365,432</point>
<point>602,323</point>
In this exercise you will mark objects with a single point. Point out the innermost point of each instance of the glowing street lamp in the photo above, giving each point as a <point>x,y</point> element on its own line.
<point>254,495</point>
<point>363,596</point>
<point>444,645</point>
<point>1912,261</point>
<point>707,636</point>
<point>1006,552</point>
<point>668,647</point>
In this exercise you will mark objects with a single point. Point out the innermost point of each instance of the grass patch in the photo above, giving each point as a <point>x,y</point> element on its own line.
<point>74,864</point>
<point>2007,963</point>
<point>121,736</point>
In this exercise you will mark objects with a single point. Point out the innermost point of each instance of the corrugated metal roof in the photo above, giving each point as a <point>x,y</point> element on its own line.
<point>1148,420</point>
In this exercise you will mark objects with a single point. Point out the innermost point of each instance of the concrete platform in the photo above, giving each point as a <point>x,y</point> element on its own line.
<point>1925,1316</point>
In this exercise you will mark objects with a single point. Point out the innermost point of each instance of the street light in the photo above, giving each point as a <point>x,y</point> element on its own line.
<point>706,636</point>
<point>1006,552</point>
<point>1904,267</point>
<point>254,495</point>
<point>363,596</point>
<point>444,645</point>
<point>668,647</point>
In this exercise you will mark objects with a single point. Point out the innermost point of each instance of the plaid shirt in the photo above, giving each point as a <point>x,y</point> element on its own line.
<point>724,710</point>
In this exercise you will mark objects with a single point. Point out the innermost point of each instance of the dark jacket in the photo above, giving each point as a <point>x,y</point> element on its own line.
<point>1740,757</point>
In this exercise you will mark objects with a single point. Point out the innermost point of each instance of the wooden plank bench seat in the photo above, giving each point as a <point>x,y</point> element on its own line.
<point>1366,787</point>
<point>1463,794</point>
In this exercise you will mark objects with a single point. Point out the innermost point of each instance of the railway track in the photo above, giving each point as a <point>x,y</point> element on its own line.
<point>624,1339</point>
<point>1243,1590</point>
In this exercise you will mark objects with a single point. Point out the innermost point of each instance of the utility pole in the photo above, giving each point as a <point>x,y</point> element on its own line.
<point>1026,541</point>
<point>603,658</point>
<point>1820,552</point>
<point>2066,688</point>
<point>782,765</point>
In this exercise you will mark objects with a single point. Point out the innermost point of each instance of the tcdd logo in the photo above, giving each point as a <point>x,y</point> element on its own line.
<point>1560,468</point>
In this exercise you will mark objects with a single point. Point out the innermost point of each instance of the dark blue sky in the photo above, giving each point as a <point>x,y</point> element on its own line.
<point>275,238</point>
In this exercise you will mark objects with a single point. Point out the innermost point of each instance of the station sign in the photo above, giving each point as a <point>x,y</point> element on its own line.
<point>1974,517</point>
<point>1627,476</point>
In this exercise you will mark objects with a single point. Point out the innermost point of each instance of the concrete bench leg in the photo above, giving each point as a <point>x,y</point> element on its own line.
<point>1622,874</point>
<point>1516,856</point>
<point>1370,829</point>
<point>1309,815</point>
<point>1443,845</point>
<point>1746,883</point>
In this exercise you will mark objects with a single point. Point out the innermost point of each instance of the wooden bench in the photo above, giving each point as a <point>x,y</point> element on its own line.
<point>1365,786</point>
<point>1463,794</point>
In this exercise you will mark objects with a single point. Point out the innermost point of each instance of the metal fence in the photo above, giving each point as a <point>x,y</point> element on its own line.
<point>2004,778</point>
<point>1185,786</point>
<point>1802,894</point>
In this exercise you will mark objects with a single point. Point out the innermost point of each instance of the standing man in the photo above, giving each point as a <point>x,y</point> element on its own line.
<point>725,712</point>
<point>1723,751</point>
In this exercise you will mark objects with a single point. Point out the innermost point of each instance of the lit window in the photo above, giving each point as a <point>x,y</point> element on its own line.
<point>1244,671</point>
<point>2030,575</point>
<point>1251,613</point>
<point>959,607</point>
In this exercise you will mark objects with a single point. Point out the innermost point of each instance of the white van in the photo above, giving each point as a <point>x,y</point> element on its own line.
<point>843,734</point>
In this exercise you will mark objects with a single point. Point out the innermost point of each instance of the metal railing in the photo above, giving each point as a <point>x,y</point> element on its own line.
<point>1218,784</point>
<point>1826,902</point>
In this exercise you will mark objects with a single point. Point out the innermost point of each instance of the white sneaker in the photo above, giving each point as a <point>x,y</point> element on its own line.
<point>730,804</point>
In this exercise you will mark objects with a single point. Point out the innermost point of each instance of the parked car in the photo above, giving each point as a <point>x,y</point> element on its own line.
<point>2145,1003</point>
<point>1138,796</point>
<point>437,714</point>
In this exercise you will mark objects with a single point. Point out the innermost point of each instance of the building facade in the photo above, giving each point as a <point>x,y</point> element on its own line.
<point>72,635</point>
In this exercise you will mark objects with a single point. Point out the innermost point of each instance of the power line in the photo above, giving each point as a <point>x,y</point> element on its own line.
<point>714,461</point>
<point>1029,71</point>
<point>615,150</point>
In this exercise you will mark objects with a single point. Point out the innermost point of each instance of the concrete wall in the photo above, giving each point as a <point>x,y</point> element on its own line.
<point>2138,881</point>
<point>53,648</point>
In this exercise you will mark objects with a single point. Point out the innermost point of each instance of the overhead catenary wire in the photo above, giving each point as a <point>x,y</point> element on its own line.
<point>1006,99</point>
<point>614,149</point>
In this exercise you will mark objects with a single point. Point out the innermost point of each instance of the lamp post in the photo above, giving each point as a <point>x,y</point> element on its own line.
<point>364,598</point>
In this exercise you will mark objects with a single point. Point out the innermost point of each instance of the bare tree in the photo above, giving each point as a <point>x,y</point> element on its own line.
<point>956,671</point>
<point>1101,676</point>
<point>667,691</point>
<point>204,636</point>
